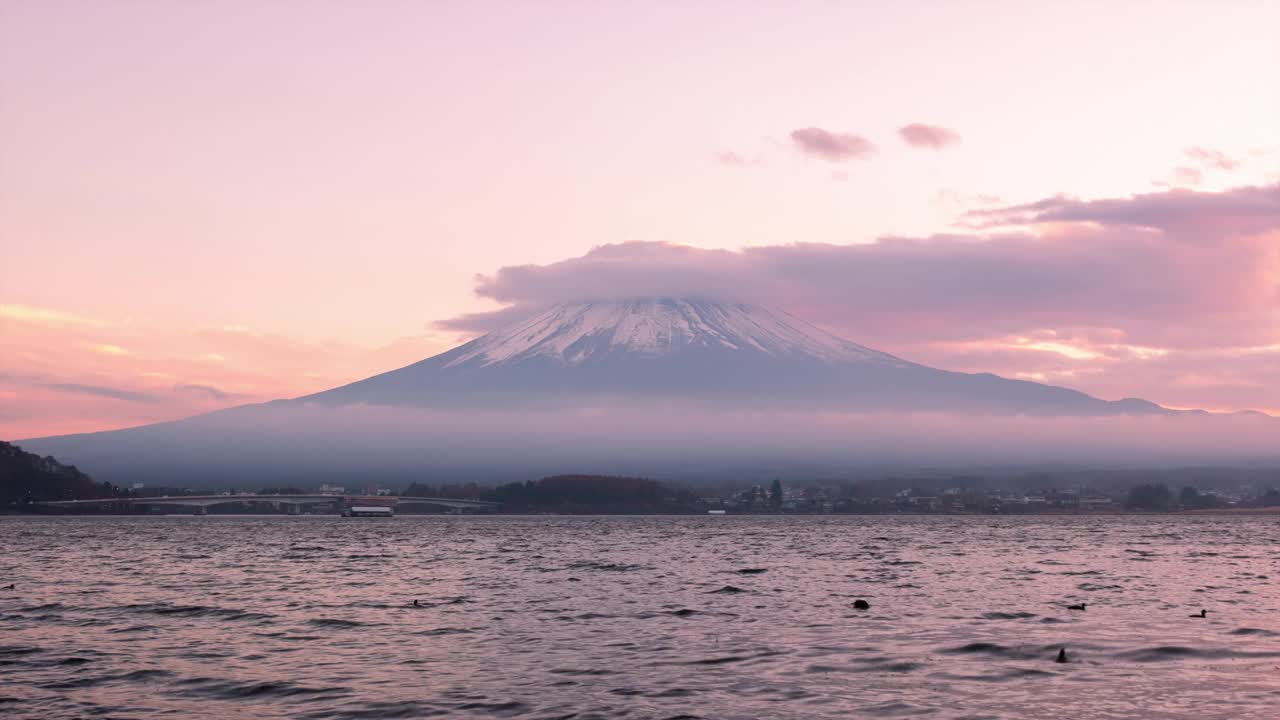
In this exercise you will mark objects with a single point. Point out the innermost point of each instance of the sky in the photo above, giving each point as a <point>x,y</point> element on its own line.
<point>208,204</point>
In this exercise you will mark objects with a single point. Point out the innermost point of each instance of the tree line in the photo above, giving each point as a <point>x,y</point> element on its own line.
<point>27,477</point>
<point>575,494</point>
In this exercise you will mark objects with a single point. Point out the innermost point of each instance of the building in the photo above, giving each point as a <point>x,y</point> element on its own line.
<point>1095,502</point>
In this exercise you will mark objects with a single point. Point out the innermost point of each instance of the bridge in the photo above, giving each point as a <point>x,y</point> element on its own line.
<point>292,504</point>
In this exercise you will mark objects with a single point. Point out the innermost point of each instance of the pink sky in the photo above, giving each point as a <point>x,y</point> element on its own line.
<point>205,204</point>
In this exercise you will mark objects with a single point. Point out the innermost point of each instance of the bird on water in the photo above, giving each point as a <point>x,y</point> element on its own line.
<point>415,604</point>
<point>1076,607</point>
<point>1062,655</point>
<point>861,605</point>
<point>1203,613</point>
<point>11,586</point>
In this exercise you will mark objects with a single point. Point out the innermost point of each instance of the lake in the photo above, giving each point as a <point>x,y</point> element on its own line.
<point>639,617</point>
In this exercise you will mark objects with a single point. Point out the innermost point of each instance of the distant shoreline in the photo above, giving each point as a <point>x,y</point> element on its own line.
<point>1265,511</point>
<point>1273,510</point>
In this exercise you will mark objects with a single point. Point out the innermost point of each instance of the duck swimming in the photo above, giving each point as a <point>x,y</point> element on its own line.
<point>1076,607</point>
<point>1203,613</point>
<point>861,605</point>
<point>1062,655</point>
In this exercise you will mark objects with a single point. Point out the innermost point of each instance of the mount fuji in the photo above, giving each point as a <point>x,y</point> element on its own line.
<point>619,386</point>
<point>721,353</point>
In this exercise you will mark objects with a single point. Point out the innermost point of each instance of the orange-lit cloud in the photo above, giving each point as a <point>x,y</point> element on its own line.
<point>41,316</point>
<point>64,373</point>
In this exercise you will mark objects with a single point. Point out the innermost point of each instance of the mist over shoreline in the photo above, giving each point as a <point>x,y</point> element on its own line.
<point>682,440</point>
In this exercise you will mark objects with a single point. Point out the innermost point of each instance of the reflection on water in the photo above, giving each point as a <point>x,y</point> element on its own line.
<point>717,617</point>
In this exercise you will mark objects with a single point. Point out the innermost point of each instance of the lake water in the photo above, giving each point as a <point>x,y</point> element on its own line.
<point>582,617</point>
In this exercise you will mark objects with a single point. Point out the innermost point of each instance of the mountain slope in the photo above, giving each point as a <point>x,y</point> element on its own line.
<point>619,387</point>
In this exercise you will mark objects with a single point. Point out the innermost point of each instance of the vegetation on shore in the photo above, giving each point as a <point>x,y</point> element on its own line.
<point>28,477</point>
<point>586,494</point>
<point>1157,497</point>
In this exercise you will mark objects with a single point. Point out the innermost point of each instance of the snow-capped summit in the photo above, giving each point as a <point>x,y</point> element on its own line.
<point>576,333</point>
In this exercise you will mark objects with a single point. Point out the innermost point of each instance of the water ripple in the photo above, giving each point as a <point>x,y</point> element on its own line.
<point>273,617</point>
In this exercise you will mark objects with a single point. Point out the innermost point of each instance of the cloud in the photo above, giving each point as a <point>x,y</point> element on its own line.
<point>42,316</point>
<point>1205,216</point>
<point>207,392</point>
<point>1183,176</point>
<point>928,136</point>
<point>101,391</point>
<point>109,349</point>
<point>954,199</point>
<point>483,322</point>
<point>1118,281</point>
<point>61,376</point>
<point>830,146</point>
<point>1211,158</point>
<point>77,388</point>
<point>733,159</point>
<point>1203,162</point>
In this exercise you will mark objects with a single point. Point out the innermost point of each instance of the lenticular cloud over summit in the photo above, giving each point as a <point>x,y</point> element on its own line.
<point>1176,268</point>
<point>1167,295</point>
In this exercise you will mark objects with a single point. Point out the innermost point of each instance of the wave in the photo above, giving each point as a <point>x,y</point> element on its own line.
<point>146,676</point>
<point>1165,653</point>
<point>590,672</point>
<point>729,659</point>
<point>167,609</point>
<point>1004,651</point>
<point>46,606</point>
<point>607,567</point>
<point>459,600</point>
<point>335,623</point>
<point>1254,631</point>
<point>1008,615</point>
<point>231,690</point>
<point>437,632</point>
<point>1003,676</point>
